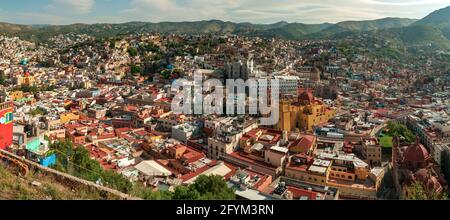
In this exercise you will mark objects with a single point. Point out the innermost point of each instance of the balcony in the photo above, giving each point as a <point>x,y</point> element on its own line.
<point>6,105</point>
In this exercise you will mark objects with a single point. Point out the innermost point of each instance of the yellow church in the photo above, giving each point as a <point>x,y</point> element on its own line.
<point>26,79</point>
<point>303,113</point>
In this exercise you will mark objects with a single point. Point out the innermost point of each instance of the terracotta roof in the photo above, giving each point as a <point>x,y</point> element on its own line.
<point>298,193</point>
<point>416,153</point>
<point>305,143</point>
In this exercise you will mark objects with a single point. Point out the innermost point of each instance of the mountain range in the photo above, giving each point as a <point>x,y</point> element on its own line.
<point>433,29</point>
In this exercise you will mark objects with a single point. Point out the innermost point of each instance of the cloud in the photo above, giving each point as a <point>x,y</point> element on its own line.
<point>71,6</point>
<point>177,10</point>
<point>403,2</point>
<point>257,11</point>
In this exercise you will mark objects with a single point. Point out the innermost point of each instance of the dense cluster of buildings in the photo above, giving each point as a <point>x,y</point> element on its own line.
<point>326,144</point>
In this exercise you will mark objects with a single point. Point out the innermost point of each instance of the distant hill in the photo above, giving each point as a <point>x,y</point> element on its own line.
<point>294,31</point>
<point>439,19</point>
<point>14,28</point>
<point>417,35</point>
<point>434,29</point>
<point>378,24</point>
<point>282,29</point>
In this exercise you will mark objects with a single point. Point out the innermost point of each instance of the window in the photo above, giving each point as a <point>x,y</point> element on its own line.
<point>8,117</point>
<point>349,177</point>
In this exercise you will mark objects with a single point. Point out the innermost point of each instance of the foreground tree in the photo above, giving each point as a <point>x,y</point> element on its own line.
<point>396,129</point>
<point>205,188</point>
<point>417,192</point>
<point>77,161</point>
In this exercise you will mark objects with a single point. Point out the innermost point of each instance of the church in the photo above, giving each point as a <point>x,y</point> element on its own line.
<point>412,163</point>
<point>303,113</point>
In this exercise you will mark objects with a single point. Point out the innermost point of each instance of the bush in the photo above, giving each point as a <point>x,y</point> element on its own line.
<point>205,188</point>
<point>87,168</point>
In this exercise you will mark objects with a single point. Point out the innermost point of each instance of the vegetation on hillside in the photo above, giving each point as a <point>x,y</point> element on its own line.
<point>205,188</point>
<point>77,161</point>
<point>37,186</point>
<point>417,192</point>
<point>396,129</point>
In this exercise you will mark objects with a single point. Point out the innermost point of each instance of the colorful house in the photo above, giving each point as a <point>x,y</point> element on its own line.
<point>6,123</point>
<point>38,150</point>
<point>304,113</point>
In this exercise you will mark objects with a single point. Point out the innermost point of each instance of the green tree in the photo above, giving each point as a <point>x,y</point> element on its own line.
<point>79,159</point>
<point>116,180</point>
<point>139,190</point>
<point>2,79</point>
<point>185,193</point>
<point>135,69</point>
<point>205,188</point>
<point>132,51</point>
<point>445,164</point>
<point>397,129</point>
<point>417,192</point>
<point>38,111</point>
<point>151,47</point>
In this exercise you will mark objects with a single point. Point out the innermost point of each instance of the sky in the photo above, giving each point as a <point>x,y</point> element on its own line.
<point>255,11</point>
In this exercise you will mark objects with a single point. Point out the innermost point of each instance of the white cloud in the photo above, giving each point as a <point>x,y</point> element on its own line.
<point>403,2</point>
<point>258,11</point>
<point>255,11</point>
<point>71,6</point>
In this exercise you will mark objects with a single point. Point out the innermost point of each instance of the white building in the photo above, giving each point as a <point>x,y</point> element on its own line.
<point>240,69</point>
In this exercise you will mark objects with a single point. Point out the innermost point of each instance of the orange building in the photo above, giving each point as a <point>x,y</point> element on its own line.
<point>303,113</point>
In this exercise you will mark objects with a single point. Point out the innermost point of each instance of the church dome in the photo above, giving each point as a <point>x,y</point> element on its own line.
<point>421,175</point>
<point>315,75</point>
<point>416,156</point>
<point>306,97</point>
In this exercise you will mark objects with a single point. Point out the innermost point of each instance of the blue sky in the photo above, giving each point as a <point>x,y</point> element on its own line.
<point>256,11</point>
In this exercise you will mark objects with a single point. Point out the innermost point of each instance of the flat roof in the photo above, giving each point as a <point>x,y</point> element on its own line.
<point>317,169</point>
<point>280,149</point>
<point>152,168</point>
<point>252,194</point>
<point>219,170</point>
<point>322,163</point>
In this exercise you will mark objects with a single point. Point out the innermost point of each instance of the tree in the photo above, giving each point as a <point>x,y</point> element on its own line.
<point>135,69</point>
<point>38,111</point>
<point>139,190</point>
<point>151,47</point>
<point>132,51</point>
<point>445,161</point>
<point>79,158</point>
<point>185,193</point>
<point>116,180</point>
<point>417,192</point>
<point>205,188</point>
<point>2,79</point>
<point>396,129</point>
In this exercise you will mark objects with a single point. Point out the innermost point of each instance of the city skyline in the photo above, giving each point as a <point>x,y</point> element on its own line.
<point>61,12</point>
